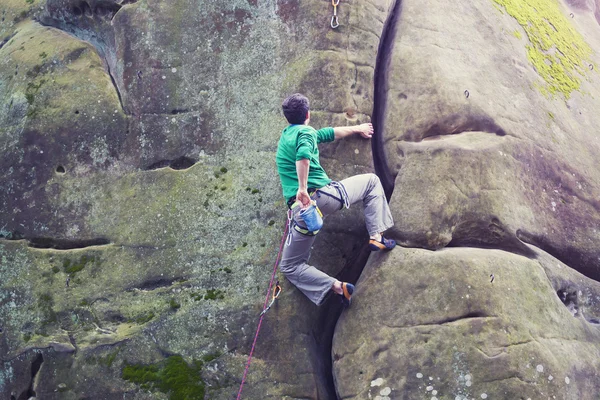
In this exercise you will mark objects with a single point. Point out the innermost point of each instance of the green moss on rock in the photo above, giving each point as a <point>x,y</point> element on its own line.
<point>214,294</point>
<point>556,50</point>
<point>71,267</point>
<point>174,305</point>
<point>211,356</point>
<point>172,376</point>
<point>144,318</point>
<point>109,359</point>
<point>46,306</point>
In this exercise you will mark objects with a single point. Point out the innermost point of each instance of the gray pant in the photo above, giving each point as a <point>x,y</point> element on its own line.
<point>316,284</point>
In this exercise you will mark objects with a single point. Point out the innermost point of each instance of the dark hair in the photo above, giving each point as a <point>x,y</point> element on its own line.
<point>295,108</point>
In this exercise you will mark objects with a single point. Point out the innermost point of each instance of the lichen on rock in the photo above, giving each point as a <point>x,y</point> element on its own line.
<point>558,52</point>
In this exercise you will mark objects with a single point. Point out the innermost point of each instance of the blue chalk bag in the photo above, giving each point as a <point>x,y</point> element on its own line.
<point>312,216</point>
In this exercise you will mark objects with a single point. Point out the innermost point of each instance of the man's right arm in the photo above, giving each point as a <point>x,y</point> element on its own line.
<point>365,130</point>
<point>302,167</point>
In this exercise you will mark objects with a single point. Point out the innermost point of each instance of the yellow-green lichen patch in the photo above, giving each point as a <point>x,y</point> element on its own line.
<point>557,51</point>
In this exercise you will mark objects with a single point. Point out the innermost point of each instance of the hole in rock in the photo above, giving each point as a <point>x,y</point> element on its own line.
<point>156,283</point>
<point>182,163</point>
<point>60,169</point>
<point>158,164</point>
<point>86,9</point>
<point>104,9</point>
<point>14,235</point>
<point>475,314</point>
<point>100,11</point>
<point>77,11</point>
<point>459,123</point>
<point>350,113</point>
<point>176,111</point>
<point>65,244</point>
<point>115,316</point>
<point>569,299</point>
<point>76,111</point>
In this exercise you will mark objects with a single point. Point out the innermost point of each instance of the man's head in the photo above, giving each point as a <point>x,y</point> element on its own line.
<point>295,109</point>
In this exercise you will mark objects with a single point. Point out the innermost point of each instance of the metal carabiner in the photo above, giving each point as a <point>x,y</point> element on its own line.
<point>334,22</point>
<point>288,239</point>
<point>276,293</point>
<point>334,18</point>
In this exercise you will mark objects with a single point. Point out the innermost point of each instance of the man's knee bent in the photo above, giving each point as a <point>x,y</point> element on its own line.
<point>374,180</point>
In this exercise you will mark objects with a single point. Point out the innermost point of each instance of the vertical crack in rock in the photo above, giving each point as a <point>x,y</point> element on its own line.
<point>73,342</point>
<point>36,365</point>
<point>328,316</point>
<point>326,322</point>
<point>384,54</point>
<point>114,82</point>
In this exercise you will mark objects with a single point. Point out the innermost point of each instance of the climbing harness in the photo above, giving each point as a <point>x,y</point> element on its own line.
<point>343,194</point>
<point>334,18</point>
<point>276,293</point>
<point>343,199</point>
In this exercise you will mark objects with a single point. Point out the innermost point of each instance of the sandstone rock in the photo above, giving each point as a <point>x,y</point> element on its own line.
<point>140,212</point>
<point>504,150</point>
<point>161,242</point>
<point>425,321</point>
<point>483,148</point>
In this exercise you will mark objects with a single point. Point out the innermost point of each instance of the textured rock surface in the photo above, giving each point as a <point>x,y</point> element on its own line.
<point>140,210</point>
<point>140,214</point>
<point>489,141</point>
<point>438,327</point>
<point>527,163</point>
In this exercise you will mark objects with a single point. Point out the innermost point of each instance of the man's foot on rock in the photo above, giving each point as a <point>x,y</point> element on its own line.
<point>384,244</point>
<point>347,290</point>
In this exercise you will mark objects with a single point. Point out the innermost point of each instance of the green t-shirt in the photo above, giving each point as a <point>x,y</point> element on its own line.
<point>300,142</point>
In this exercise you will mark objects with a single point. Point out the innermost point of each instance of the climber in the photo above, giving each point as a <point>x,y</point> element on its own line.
<point>304,181</point>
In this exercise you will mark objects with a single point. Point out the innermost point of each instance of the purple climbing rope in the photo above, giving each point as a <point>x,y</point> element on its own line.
<point>239,396</point>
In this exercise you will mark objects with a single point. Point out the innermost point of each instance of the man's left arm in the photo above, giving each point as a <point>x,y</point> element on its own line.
<point>364,130</point>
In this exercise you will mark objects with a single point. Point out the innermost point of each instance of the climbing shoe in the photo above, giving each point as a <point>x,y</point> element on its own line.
<point>347,290</point>
<point>385,244</point>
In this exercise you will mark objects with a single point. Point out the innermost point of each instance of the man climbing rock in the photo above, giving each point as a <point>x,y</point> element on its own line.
<point>304,181</point>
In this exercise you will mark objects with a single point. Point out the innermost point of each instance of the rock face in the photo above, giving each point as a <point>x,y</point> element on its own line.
<point>141,214</point>
<point>495,158</point>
